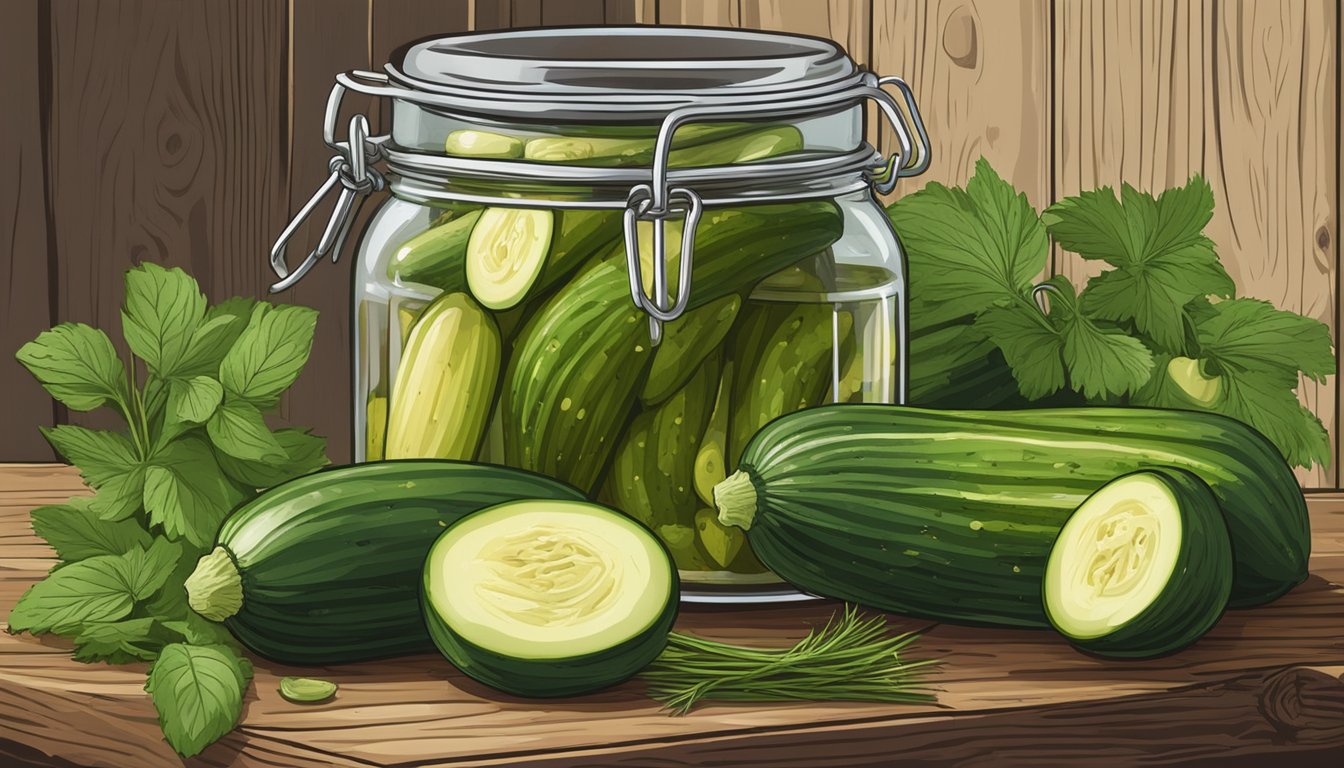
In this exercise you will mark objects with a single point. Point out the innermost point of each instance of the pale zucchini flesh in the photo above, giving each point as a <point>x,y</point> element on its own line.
<point>506,253</point>
<point>1113,557</point>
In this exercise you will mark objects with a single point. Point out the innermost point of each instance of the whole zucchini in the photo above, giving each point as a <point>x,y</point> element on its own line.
<point>736,248</point>
<point>687,342</point>
<point>576,368</point>
<point>786,359</point>
<point>325,569</point>
<point>951,514</point>
<point>653,476</point>
<point>958,367</point>
<point>437,257</point>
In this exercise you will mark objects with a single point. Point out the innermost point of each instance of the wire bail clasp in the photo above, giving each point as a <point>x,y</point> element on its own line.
<point>349,169</point>
<point>640,206</point>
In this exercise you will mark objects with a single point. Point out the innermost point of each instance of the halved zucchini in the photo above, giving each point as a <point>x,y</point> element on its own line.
<point>549,598</point>
<point>515,253</point>
<point>1143,567</point>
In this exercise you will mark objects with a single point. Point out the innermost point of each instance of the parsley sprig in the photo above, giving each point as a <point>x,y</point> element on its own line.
<point>194,445</point>
<point>1160,327</point>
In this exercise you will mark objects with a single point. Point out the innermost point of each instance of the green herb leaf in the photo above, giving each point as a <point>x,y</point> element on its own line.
<point>208,345</point>
<point>1251,335</point>
<point>1264,403</point>
<point>120,642</point>
<point>194,400</point>
<point>76,532</point>
<point>100,456</point>
<point>186,492</point>
<point>122,496</point>
<point>86,592</point>
<point>304,453</point>
<point>1031,346</point>
<point>78,365</point>
<point>99,589</point>
<point>968,249</point>
<point>197,630</point>
<point>1259,351</point>
<point>231,316</point>
<point>238,430</point>
<point>198,692</point>
<point>270,353</point>
<point>161,311</point>
<point>144,571</point>
<point>1101,362</point>
<point>1161,257</point>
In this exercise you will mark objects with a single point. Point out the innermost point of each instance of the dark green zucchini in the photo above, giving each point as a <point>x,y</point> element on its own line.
<point>653,476</point>
<point>325,569</point>
<point>958,367</point>
<point>437,257</point>
<point>786,358</point>
<point>736,248</point>
<point>687,342</point>
<point>950,514</point>
<point>571,382</point>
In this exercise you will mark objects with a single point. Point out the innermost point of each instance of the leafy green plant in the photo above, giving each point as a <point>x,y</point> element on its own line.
<point>1161,326</point>
<point>193,446</point>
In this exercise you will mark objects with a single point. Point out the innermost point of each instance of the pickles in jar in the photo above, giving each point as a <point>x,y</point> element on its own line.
<point>440,398</point>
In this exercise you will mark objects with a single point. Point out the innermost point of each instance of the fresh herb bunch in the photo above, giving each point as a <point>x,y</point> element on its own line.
<point>193,447</point>
<point>1160,327</point>
<point>851,659</point>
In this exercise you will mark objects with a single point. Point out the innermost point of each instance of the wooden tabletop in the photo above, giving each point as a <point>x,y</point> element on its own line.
<point>1267,681</point>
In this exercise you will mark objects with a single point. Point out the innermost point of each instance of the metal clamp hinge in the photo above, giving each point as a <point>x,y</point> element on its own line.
<point>349,170</point>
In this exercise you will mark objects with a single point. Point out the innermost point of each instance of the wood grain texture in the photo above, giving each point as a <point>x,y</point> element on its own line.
<point>168,136</point>
<point>326,37</point>
<point>1242,92</point>
<point>701,13</point>
<point>396,23</point>
<point>844,21</point>
<point>981,72</point>
<point>1263,682</point>
<point>25,308</point>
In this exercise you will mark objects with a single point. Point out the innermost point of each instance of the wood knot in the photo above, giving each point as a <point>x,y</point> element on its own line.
<point>960,38</point>
<point>1323,238</point>
<point>1304,705</point>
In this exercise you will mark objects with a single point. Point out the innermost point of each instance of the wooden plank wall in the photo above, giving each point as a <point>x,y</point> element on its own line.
<point>185,131</point>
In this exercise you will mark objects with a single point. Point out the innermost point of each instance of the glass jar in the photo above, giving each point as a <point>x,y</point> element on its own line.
<point>610,255</point>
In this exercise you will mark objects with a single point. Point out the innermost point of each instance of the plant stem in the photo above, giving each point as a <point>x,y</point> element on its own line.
<point>134,414</point>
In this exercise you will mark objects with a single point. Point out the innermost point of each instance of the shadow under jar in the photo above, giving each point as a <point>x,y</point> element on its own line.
<point>610,255</point>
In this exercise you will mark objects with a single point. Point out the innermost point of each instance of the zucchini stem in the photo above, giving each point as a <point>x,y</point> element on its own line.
<point>735,498</point>
<point>215,588</point>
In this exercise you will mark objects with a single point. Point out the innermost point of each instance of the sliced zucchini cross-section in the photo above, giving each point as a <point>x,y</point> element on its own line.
<point>1143,567</point>
<point>547,598</point>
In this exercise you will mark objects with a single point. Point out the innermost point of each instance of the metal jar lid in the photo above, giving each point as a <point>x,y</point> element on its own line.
<point>631,73</point>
